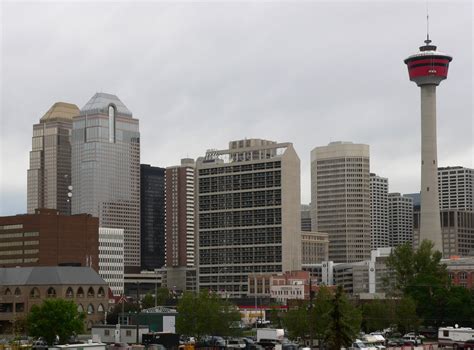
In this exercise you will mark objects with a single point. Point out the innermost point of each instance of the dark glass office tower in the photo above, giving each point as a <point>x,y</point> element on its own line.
<point>152,216</point>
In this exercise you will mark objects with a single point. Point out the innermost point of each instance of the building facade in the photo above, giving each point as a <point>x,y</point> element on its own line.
<point>379,227</point>
<point>305,217</point>
<point>400,218</point>
<point>106,169</point>
<point>456,188</point>
<point>23,287</point>
<point>248,213</point>
<point>314,247</point>
<point>457,229</point>
<point>340,199</point>
<point>152,217</point>
<point>111,265</point>
<point>48,238</point>
<point>180,225</point>
<point>49,174</point>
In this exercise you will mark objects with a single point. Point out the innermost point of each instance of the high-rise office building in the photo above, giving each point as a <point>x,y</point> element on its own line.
<point>152,217</point>
<point>379,236</point>
<point>305,217</point>
<point>248,213</point>
<point>340,199</point>
<point>456,188</point>
<point>428,68</point>
<point>314,247</point>
<point>106,169</point>
<point>111,267</point>
<point>179,223</point>
<point>457,228</point>
<point>49,174</point>
<point>400,219</point>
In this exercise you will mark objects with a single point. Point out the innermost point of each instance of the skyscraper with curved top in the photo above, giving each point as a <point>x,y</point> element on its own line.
<point>106,169</point>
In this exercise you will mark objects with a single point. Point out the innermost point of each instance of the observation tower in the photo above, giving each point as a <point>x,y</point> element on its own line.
<point>427,68</point>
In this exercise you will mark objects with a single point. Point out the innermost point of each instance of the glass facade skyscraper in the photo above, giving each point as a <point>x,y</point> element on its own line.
<point>152,217</point>
<point>106,169</point>
<point>49,174</point>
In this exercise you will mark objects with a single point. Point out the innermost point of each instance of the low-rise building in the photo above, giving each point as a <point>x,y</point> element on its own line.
<point>23,287</point>
<point>47,238</point>
<point>314,247</point>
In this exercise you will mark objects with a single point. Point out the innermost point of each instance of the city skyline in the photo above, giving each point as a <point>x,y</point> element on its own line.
<point>282,82</point>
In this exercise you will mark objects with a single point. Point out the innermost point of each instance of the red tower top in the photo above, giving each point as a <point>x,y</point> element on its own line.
<point>428,66</point>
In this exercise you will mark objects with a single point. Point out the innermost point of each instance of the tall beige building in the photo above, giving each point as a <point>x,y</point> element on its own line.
<point>248,214</point>
<point>340,199</point>
<point>49,174</point>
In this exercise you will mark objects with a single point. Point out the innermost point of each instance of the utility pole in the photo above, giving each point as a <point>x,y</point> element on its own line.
<point>309,311</point>
<point>138,312</point>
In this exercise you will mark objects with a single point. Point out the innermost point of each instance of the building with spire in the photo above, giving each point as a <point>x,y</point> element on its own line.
<point>106,169</point>
<point>428,68</point>
<point>49,174</point>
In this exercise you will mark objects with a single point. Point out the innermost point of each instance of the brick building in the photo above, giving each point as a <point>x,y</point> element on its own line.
<point>47,238</point>
<point>21,288</point>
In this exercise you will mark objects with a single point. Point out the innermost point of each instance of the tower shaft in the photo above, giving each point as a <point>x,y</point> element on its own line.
<point>430,227</point>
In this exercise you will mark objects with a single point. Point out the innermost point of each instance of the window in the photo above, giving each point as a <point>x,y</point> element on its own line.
<point>34,293</point>
<point>100,292</point>
<point>128,333</point>
<point>80,292</point>
<point>69,293</point>
<point>80,308</point>
<point>100,308</point>
<point>90,292</point>
<point>90,309</point>
<point>17,291</point>
<point>8,291</point>
<point>106,332</point>
<point>51,292</point>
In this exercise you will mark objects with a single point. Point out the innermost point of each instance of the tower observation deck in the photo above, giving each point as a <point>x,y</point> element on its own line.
<point>427,68</point>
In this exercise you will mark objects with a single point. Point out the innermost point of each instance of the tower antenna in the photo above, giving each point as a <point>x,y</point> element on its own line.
<point>427,41</point>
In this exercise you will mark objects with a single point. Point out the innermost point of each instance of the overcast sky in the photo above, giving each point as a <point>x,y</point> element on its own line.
<point>198,75</point>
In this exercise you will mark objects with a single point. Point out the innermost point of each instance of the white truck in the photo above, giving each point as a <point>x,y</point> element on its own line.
<point>456,337</point>
<point>275,334</point>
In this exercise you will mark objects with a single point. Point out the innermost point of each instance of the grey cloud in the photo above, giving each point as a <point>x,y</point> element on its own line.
<point>200,74</point>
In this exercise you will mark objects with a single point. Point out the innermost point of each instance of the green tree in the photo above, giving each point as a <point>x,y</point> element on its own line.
<point>162,296</point>
<point>55,317</point>
<point>206,314</point>
<point>345,322</point>
<point>420,275</point>
<point>406,317</point>
<point>148,301</point>
<point>377,315</point>
<point>126,307</point>
<point>320,315</point>
<point>296,321</point>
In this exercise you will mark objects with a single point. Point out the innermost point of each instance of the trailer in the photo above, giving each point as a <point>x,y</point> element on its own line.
<point>456,337</point>
<point>274,334</point>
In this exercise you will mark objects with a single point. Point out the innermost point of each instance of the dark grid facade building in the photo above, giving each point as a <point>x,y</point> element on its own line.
<point>456,188</point>
<point>152,217</point>
<point>248,216</point>
<point>457,229</point>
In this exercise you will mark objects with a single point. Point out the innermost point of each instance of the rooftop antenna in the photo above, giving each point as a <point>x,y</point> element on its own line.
<point>427,41</point>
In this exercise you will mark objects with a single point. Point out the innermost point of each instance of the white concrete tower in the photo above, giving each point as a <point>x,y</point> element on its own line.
<point>427,69</point>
